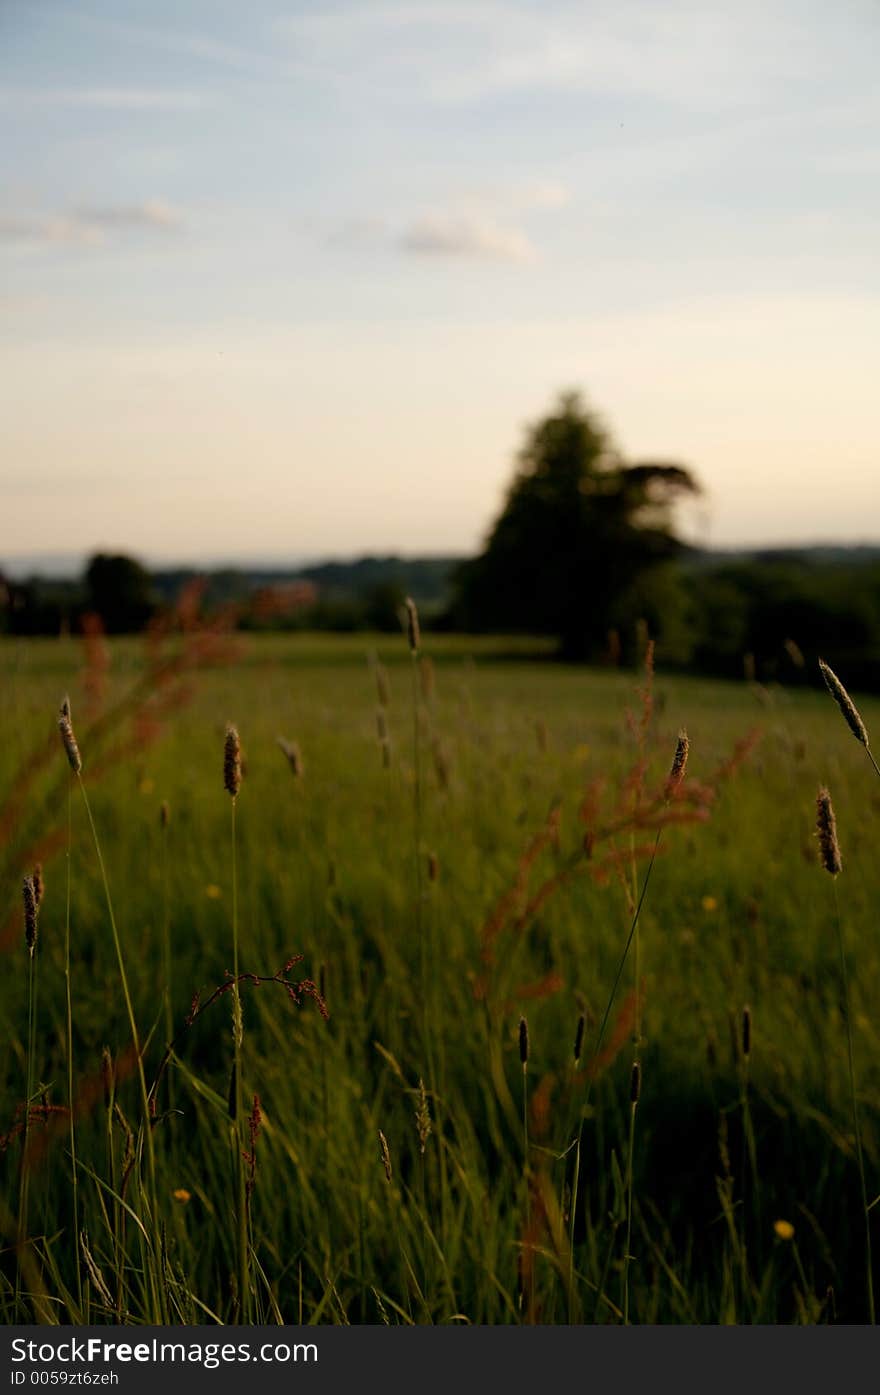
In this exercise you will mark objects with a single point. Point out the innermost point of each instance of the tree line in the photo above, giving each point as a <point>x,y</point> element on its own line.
<point>584,549</point>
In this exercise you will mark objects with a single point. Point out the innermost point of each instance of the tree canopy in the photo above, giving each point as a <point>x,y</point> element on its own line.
<point>580,532</point>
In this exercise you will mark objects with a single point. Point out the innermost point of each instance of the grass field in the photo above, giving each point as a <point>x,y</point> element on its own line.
<point>480,865</point>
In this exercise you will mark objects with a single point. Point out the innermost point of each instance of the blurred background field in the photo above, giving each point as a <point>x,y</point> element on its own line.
<point>332,865</point>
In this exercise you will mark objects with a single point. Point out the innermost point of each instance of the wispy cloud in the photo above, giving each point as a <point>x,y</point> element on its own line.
<point>88,226</point>
<point>102,98</point>
<point>467,236</point>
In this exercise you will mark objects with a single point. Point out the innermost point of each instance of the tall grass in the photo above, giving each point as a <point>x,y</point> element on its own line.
<point>534,918</point>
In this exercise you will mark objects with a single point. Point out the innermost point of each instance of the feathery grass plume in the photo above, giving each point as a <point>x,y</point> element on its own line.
<point>844,702</point>
<point>292,752</point>
<point>413,633</point>
<point>423,1117</point>
<point>679,765</point>
<point>232,761</point>
<point>747,1032</point>
<point>68,740</point>
<point>385,1155</point>
<point>635,1082</point>
<point>164,814</point>
<point>39,884</point>
<point>826,832</point>
<point>29,897</point>
<point>579,1037</point>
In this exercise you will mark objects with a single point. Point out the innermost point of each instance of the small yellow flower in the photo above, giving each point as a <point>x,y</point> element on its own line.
<point>213,892</point>
<point>182,1195</point>
<point>146,785</point>
<point>581,754</point>
<point>709,903</point>
<point>784,1229</point>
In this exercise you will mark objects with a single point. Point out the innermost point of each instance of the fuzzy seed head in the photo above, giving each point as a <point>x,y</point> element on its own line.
<point>747,1032</point>
<point>68,740</point>
<point>29,897</point>
<point>679,765</point>
<point>232,761</point>
<point>523,1041</point>
<point>413,633</point>
<point>635,1082</point>
<point>826,832</point>
<point>39,884</point>
<point>844,702</point>
<point>164,814</point>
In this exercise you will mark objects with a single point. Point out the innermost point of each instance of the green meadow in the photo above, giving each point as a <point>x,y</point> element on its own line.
<point>464,843</point>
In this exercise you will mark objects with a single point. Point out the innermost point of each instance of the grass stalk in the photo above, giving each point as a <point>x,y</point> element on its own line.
<point>156,1287</point>
<point>844,978</point>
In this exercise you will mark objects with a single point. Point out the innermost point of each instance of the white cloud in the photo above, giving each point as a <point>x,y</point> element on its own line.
<point>88,226</point>
<point>465,236</point>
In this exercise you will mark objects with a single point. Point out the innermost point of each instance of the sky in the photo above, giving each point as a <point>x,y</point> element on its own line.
<point>284,281</point>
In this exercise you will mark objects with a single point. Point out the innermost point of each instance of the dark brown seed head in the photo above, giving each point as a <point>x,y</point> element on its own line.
<point>412,625</point>
<point>232,761</point>
<point>579,1037</point>
<point>164,813</point>
<point>433,867</point>
<point>523,1041</point>
<point>747,1031</point>
<point>826,832</point>
<point>635,1082</point>
<point>39,884</point>
<point>68,740</point>
<point>844,702</point>
<point>679,765</point>
<point>29,896</point>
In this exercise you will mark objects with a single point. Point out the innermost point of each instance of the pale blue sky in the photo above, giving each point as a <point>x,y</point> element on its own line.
<point>289,280</point>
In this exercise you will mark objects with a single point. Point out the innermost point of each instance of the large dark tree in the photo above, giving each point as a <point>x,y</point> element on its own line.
<point>120,591</point>
<point>578,537</point>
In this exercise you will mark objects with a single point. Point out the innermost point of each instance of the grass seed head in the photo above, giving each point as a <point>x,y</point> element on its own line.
<point>747,1032</point>
<point>413,633</point>
<point>107,1076</point>
<point>385,1155</point>
<point>232,761</point>
<point>635,1082</point>
<point>39,884</point>
<point>679,765</point>
<point>524,1041</point>
<point>29,897</point>
<point>579,1037</point>
<point>68,740</point>
<point>826,832</point>
<point>164,814</point>
<point>423,1117</point>
<point>844,702</point>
